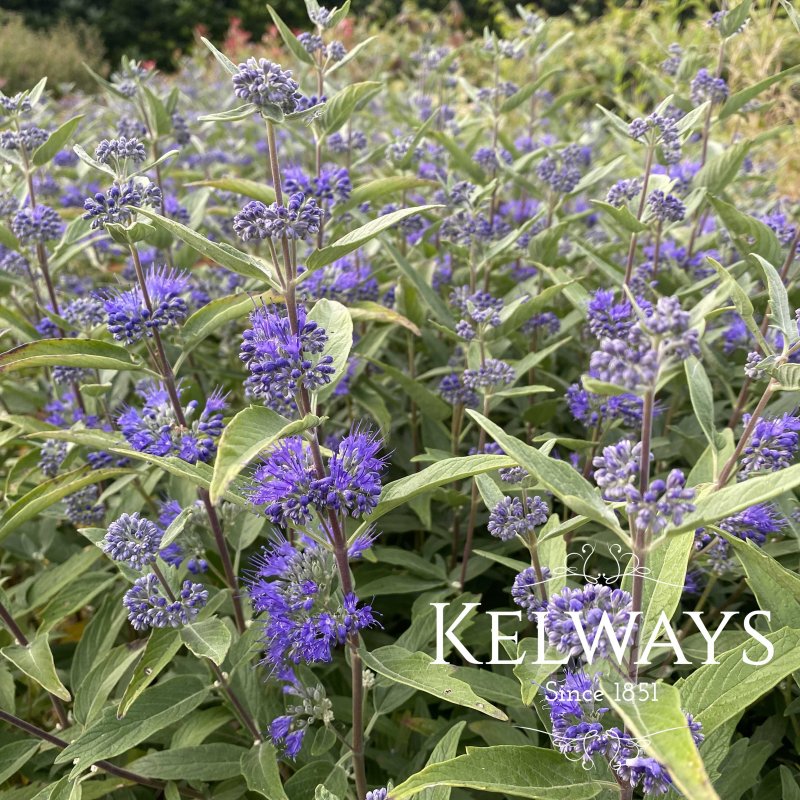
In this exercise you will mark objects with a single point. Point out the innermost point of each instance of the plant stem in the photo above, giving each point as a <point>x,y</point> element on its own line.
<point>106,766</point>
<point>337,534</point>
<point>172,390</point>
<point>22,640</point>
<point>639,533</point>
<point>725,473</point>
<point>648,166</point>
<point>473,504</point>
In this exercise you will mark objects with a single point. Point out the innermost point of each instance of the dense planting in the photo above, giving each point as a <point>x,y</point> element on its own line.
<point>392,417</point>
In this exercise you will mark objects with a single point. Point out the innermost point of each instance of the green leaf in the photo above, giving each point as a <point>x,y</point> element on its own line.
<point>157,708</point>
<point>365,310</point>
<point>14,756</point>
<point>97,638</point>
<point>741,300</point>
<point>351,54</point>
<point>559,477</point>
<point>36,661</point>
<point>527,91</point>
<point>161,648</point>
<point>220,253</point>
<point>659,726</point>
<point>754,236</point>
<point>57,139</point>
<point>243,186</point>
<point>249,433</point>
<point>738,99</point>
<point>89,353</point>
<point>777,590</point>
<point>445,749</point>
<point>50,492</point>
<point>382,187</point>
<point>398,492</point>
<point>513,770</point>
<point>418,671</point>
<point>428,296</point>
<point>93,692</point>
<point>702,396</point>
<point>663,585</point>
<point>260,769</point>
<point>510,323</point>
<point>622,216</point>
<point>778,301</point>
<point>430,405</point>
<point>231,115</point>
<point>289,39</point>
<point>208,638</point>
<point>203,762</point>
<point>341,106</point>
<point>712,505</point>
<point>94,164</point>
<point>160,117</point>
<point>212,316</point>
<point>221,57</point>
<point>718,692</point>
<point>335,319</point>
<point>353,240</point>
<point>722,168</point>
<point>74,597</point>
<point>734,19</point>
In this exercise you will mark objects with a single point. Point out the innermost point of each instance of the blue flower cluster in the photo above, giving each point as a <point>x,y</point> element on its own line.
<point>131,316</point>
<point>579,728</point>
<point>154,429</point>
<point>298,219</point>
<point>281,361</point>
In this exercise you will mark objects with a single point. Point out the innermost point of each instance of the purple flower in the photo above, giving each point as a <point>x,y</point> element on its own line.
<point>354,483</point>
<point>117,151</point>
<point>265,84</point>
<point>666,208</point>
<point>663,502</point>
<point>346,280</point>
<point>562,171</point>
<point>754,523</point>
<point>607,318</point>
<point>490,375</point>
<point>523,592</point>
<point>617,468</point>
<point>377,794</point>
<point>133,540</point>
<point>118,204</point>
<point>149,606</point>
<point>706,86</point>
<point>83,507</point>
<point>128,317</point>
<point>286,483</point>
<point>29,138</point>
<point>510,518</point>
<point>279,360</point>
<point>663,130</point>
<point>454,390</point>
<point>772,446</point>
<point>51,457</point>
<point>298,219</point>
<point>155,429</point>
<point>587,608</point>
<point>672,63</point>
<point>303,617</point>
<point>36,225</point>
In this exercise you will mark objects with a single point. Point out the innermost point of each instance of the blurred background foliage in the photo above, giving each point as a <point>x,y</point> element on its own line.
<point>54,37</point>
<point>162,29</point>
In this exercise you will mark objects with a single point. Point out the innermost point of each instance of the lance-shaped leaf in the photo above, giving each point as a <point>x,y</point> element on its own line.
<point>57,139</point>
<point>659,726</point>
<point>88,353</point>
<point>36,661</point>
<point>511,770</point>
<point>720,691</point>
<point>243,186</point>
<point>744,96</point>
<point>559,477</point>
<point>355,239</point>
<point>249,433</point>
<point>778,301</point>
<point>418,671</point>
<point>337,323</point>
<point>220,253</point>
